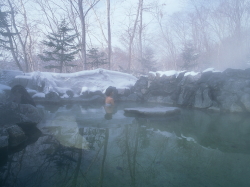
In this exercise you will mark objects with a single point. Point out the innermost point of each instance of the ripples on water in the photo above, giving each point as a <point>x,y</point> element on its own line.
<point>79,147</point>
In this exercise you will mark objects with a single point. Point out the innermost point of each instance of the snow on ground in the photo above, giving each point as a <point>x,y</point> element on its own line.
<point>208,69</point>
<point>176,73</point>
<point>78,82</point>
<point>165,73</point>
<point>192,73</point>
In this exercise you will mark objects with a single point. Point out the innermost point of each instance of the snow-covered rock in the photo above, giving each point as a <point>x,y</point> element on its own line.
<point>78,82</point>
<point>226,91</point>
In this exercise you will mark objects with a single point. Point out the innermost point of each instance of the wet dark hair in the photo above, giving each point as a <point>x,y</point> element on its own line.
<point>25,96</point>
<point>108,91</point>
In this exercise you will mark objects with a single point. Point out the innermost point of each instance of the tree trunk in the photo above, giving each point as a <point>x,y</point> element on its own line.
<point>83,42</point>
<point>12,49</point>
<point>19,37</point>
<point>29,51</point>
<point>132,37</point>
<point>140,32</point>
<point>109,33</point>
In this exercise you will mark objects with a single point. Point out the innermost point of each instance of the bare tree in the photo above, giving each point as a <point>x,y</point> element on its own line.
<point>131,33</point>
<point>109,33</point>
<point>28,48</point>
<point>21,40</point>
<point>169,45</point>
<point>82,13</point>
<point>140,30</point>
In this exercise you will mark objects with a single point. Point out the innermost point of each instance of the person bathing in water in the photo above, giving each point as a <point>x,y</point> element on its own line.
<point>109,103</point>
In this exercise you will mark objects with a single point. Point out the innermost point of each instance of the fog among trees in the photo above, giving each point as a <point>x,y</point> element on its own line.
<point>131,36</point>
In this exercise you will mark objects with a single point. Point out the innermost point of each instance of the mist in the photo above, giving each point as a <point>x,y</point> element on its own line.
<point>128,36</point>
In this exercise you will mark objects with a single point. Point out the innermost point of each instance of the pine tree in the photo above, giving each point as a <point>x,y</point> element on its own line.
<point>5,33</point>
<point>7,41</point>
<point>95,58</point>
<point>62,50</point>
<point>147,61</point>
<point>189,56</point>
<point>3,25</point>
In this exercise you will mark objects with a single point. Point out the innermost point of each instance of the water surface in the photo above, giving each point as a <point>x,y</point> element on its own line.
<point>80,147</point>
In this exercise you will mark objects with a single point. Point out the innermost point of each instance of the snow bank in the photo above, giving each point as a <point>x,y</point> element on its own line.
<point>176,73</point>
<point>165,73</point>
<point>192,73</point>
<point>78,82</point>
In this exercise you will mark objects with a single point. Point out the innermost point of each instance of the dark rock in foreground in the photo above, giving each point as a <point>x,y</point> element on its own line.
<point>16,136</point>
<point>11,113</point>
<point>156,111</point>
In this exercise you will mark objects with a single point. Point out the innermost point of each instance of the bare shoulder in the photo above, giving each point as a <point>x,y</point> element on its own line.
<point>109,100</point>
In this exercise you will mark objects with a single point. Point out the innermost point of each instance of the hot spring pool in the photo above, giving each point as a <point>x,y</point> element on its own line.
<point>80,147</point>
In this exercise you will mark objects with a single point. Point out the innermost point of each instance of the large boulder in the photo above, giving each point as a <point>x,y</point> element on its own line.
<point>4,139</point>
<point>4,136</point>
<point>52,97</point>
<point>16,135</point>
<point>31,131</point>
<point>17,113</point>
<point>30,113</point>
<point>227,91</point>
<point>202,98</point>
<point>20,95</point>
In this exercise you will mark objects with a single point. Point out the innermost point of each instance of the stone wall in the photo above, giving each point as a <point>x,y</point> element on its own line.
<point>227,91</point>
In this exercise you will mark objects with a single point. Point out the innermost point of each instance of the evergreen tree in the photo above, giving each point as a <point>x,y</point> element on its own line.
<point>189,57</point>
<point>3,25</point>
<point>147,61</point>
<point>5,33</point>
<point>95,58</point>
<point>62,50</point>
<point>7,41</point>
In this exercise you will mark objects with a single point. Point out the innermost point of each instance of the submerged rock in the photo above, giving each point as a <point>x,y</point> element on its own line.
<point>155,111</point>
<point>16,136</point>
<point>17,113</point>
<point>4,136</point>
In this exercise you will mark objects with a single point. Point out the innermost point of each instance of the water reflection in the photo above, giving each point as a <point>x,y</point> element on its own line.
<point>109,111</point>
<point>80,148</point>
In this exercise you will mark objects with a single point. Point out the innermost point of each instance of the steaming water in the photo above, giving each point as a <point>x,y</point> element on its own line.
<point>79,147</point>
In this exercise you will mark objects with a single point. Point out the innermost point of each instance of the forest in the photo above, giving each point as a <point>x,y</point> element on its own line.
<point>128,36</point>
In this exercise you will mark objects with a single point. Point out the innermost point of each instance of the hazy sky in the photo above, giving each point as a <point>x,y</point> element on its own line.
<point>122,8</point>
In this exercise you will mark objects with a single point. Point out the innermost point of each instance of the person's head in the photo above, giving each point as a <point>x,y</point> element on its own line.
<point>109,92</point>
